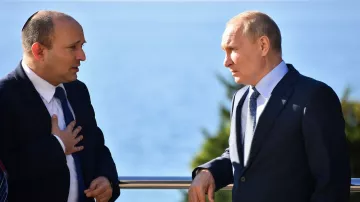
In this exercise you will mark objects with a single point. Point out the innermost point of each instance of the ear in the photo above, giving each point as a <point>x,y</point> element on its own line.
<point>37,51</point>
<point>264,45</point>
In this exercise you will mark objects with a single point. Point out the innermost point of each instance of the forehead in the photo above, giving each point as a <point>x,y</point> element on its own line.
<point>231,36</point>
<point>68,31</point>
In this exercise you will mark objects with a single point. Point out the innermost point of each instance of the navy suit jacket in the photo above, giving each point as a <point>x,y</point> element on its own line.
<point>34,159</point>
<point>299,150</point>
<point>3,183</point>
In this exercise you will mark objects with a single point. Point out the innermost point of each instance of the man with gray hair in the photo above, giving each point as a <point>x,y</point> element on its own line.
<point>50,143</point>
<point>287,138</point>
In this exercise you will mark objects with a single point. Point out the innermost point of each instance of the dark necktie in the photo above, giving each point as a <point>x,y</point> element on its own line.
<point>253,107</point>
<point>251,124</point>
<point>3,184</point>
<point>60,94</point>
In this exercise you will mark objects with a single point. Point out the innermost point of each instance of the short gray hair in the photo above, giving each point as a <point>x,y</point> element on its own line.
<point>255,24</point>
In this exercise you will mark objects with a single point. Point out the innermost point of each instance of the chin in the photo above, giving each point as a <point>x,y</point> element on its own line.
<point>238,80</point>
<point>71,78</point>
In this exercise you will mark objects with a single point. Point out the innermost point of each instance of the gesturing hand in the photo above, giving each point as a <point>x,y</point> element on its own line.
<point>67,136</point>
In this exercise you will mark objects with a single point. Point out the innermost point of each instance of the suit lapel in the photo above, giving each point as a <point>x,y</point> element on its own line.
<point>238,109</point>
<point>33,98</point>
<point>275,105</point>
<point>235,146</point>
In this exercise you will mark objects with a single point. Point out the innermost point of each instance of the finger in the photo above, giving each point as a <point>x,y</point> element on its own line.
<point>192,196</point>
<point>77,149</point>
<point>54,122</point>
<point>92,187</point>
<point>78,139</point>
<point>102,199</point>
<point>105,196</point>
<point>100,190</point>
<point>89,193</point>
<point>211,195</point>
<point>93,184</point>
<point>200,195</point>
<point>97,191</point>
<point>86,191</point>
<point>77,131</point>
<point>71,126</point>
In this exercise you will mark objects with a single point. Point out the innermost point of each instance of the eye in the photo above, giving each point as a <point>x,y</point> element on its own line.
<point>231,49</point>
<point>72,47</point>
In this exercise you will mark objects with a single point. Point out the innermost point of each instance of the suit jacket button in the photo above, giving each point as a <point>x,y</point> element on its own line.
<point>242,179</point>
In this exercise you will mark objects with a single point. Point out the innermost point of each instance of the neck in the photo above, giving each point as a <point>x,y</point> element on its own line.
<point>39,70</point>
<point>268,63</point>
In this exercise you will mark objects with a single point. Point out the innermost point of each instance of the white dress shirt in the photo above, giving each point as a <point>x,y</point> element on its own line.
<point>265,87</point>
<point>53,105</point>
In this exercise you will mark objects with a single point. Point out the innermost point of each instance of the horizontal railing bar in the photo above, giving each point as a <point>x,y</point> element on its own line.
<point>154,182</point>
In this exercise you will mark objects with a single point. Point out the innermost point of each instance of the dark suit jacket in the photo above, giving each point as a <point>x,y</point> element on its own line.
<point>299,150</point>
<point>34,158</point>
<point>3,183</point>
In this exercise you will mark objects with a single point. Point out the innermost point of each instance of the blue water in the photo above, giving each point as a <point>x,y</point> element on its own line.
<point>151,69</point>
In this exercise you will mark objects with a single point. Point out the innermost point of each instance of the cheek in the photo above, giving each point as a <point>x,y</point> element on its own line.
<point>238,60</point>
<point>256,64</point>
<point>242,63</point>
<point>64,62</point>
<point>235,57</point>
<point>60,66</point>
<point>54,59</point>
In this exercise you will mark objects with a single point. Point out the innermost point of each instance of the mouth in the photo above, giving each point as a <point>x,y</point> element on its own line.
<point>76,69</point>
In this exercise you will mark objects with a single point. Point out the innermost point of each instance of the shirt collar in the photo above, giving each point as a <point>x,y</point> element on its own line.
<point>44,88</point>
<point>267,84</point>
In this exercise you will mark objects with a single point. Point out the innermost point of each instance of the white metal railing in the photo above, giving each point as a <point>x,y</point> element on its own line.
<point>183,183</point>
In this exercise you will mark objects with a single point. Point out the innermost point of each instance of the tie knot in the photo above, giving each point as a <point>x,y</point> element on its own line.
<point>60,93</point>
<point>255,94</point>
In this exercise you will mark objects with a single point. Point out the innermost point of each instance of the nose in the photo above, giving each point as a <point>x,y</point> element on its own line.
<point>228,61</point>
<point>81,55</point>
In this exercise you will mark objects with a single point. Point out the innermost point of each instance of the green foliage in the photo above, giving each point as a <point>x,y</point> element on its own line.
<point>351,111</point>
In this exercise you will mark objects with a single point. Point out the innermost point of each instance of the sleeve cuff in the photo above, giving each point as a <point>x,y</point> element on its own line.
<point>196,171</point>
<point>61,143</point>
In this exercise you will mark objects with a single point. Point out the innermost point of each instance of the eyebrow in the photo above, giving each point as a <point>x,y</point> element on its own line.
<point>79,41</point>
<point>225,46</point>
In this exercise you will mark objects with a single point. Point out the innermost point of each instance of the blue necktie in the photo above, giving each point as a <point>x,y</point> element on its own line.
<point>60,94</point>
<point>3,184</point>
<point>250,125</point>
<point>253,107</point>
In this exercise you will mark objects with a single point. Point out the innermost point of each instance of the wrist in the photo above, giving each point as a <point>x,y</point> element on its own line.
<point>202,170</point>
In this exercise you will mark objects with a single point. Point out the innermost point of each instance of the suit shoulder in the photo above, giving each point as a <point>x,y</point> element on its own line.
<point>79,88</point>
<point>77,84</point>
<point>310,82</point>
<point>8,83</point>
<point>315,88</point>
